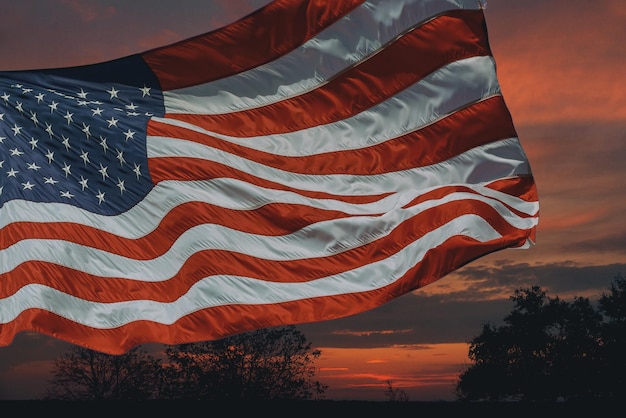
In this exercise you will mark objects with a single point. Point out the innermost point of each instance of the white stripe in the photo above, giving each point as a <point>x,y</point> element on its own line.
<point>226,290</point>
<point>317,240</point>
<point>353,38</point>
<point>444,91</point>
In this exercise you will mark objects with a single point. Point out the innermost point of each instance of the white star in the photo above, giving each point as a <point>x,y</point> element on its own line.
<point>50,156</point>
<point>26,90</point>
<point>120,185</point>
<point>129,134</point>
<point>131,106</point>
<point>53,106</point>
<point>12,173</point>
<point>50,180</point>
<point>67,169</point>
<point>82,102</point>
<point>112,121</point>
<point>17,152</point>
<point>103,144</point>
<point>68,116</point>
<point>103,171</point>
<point>1,163</point>
<point>137,170</point>
<point>40,97</point>
<point>1,116</point>
<point>84,156</point>
<point>66,142</point>
<point>132,114</point>
<point>49,130</point>
<point>82,94</point>
<point>33,143</point>
<point>28,185</point>
<point>100,196</point>
<point>86,130</point>
<point>120,157</point>
<point>83,183</point>
<point>2,138</point>
<point>113,92</point>
<point>145,91</point>
<point>5,97</point>
<point>96,111</point>
<point>16,129</point>
<point>33,117</point>
<point>67,195</point>
<point>18,106</point>
<point>33,166</point>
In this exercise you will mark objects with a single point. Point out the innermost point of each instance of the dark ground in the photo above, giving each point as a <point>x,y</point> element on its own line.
<point>320,409</point>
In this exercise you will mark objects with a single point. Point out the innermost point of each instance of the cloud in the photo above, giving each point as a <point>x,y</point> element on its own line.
<point>89,10</point>
<point>577,168</point>
<point>454,309</point>
<point>608,243</point>
<point>556,63</point>
<point>418,371</point>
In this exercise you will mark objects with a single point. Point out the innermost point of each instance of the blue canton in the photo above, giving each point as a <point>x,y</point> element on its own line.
<point>76,140</point>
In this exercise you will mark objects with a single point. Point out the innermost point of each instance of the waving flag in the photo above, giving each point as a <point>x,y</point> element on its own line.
<point>309,161</point>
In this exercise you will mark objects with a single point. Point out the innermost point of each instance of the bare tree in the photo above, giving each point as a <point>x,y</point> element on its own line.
<point>395,394</point>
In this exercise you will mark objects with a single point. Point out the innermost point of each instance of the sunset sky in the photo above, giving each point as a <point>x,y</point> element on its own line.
<point>561,65</point>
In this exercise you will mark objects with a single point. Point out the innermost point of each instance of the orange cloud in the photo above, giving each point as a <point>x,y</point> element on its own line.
<point>565,71</point>
<point>573,219</point>
<point>369,333</point>
<point>416,370</point>
<point>376,361</point>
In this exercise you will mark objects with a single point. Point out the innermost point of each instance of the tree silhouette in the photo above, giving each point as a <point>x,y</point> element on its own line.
<point>395,394</point>
<point>84,374</point>
<point>267,364</point>
<point>613,306</point>
<point>550,350</point>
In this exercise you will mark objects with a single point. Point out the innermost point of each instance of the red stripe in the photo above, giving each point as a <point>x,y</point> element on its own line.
<point>215,262</point>
<point>410,58</point>
<point>479,124</point>
<point>523,187</point>
<point>220,322</point>
<point>256,39</point>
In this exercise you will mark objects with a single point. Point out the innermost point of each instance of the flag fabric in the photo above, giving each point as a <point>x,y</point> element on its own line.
<point>309,161</point>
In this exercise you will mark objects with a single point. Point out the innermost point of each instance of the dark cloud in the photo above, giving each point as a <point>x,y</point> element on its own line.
<point>458,316</point>
<point>609,243</point>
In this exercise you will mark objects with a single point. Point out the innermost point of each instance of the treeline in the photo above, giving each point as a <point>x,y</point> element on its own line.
<point>546,350</point>
<point>267,364</point>
<point>551,350</point>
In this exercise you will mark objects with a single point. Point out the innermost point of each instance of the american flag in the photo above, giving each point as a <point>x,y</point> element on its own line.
<point>309,161</point>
